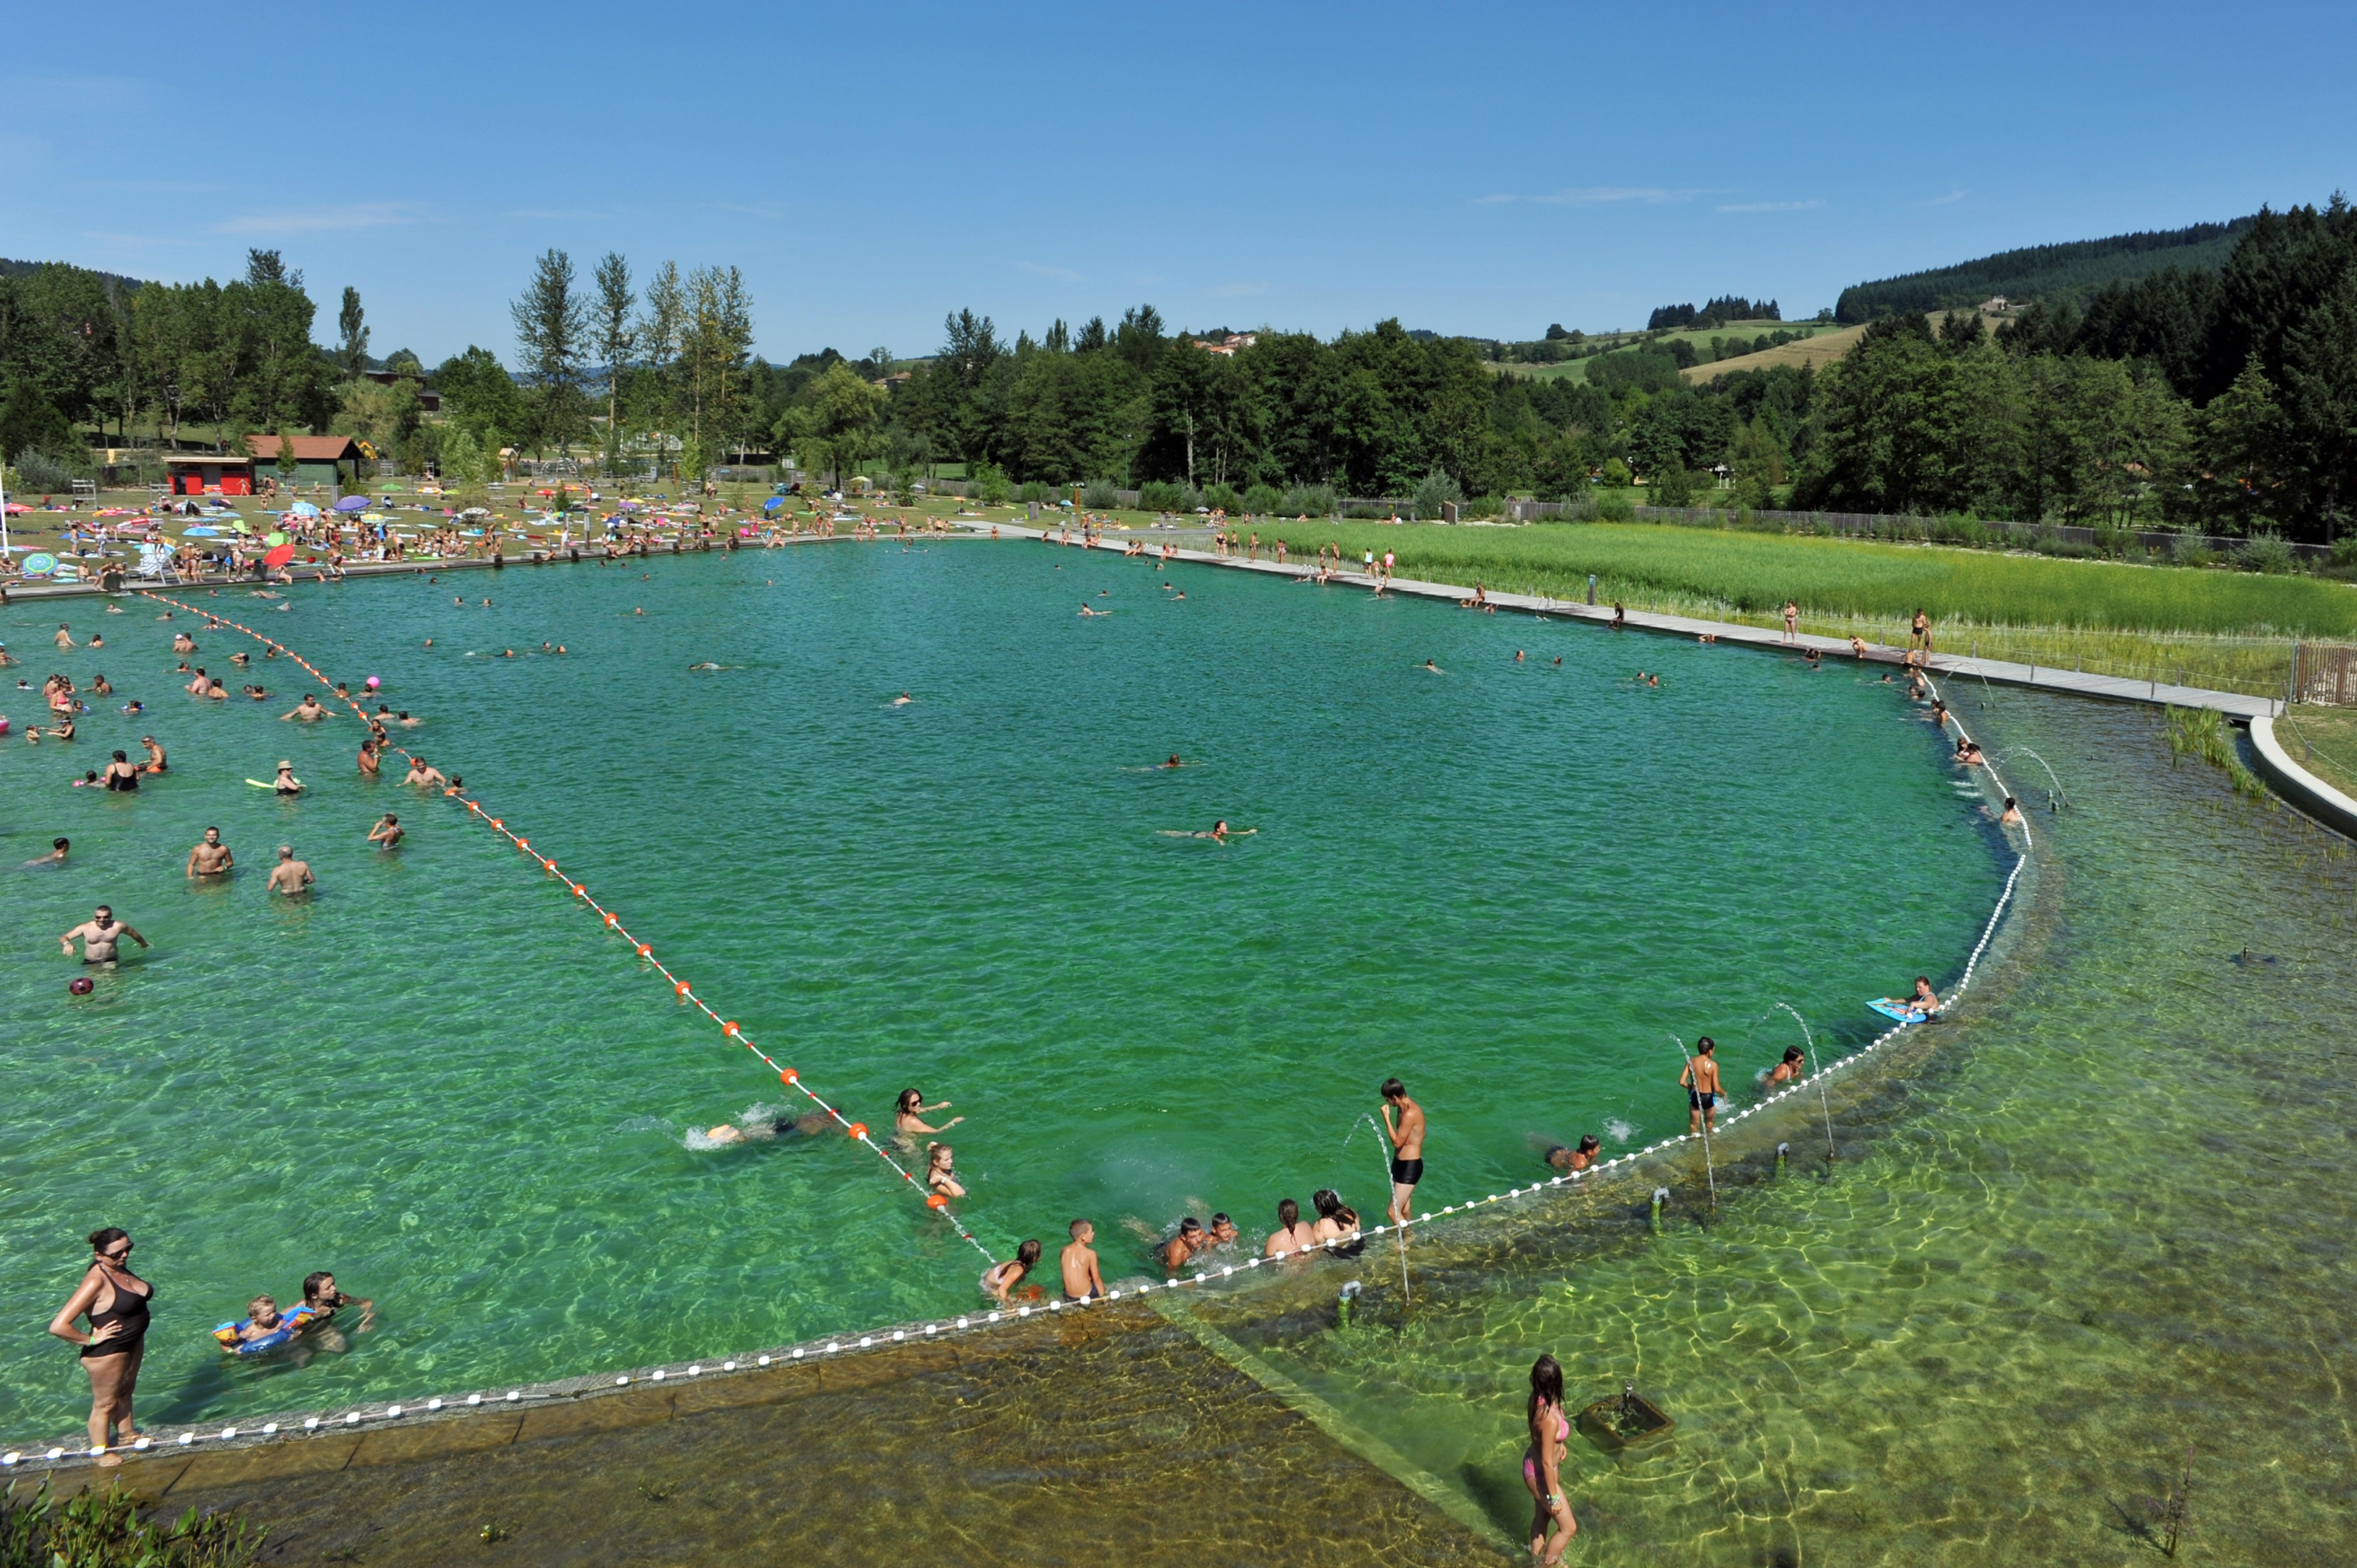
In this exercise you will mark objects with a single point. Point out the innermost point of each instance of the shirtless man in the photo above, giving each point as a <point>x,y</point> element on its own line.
<point>155,762</point>
<point>210,857</point>
<point>308,710</point>
<point>369,756</point>
<point>1700,1081</point>
<point>388,832</point>
<point>1290,1235</point>
<point>290,876</point>
<point>1408,1145</point>
<point>196,688</point>
<point>424,772</point>
<point>58,850</point>
<point>100,936</point>
<point>1081,1279</point>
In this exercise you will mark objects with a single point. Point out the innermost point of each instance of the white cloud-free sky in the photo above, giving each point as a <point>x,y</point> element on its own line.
<point>1478,168</point>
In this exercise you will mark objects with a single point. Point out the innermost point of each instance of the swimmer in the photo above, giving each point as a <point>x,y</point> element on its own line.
<point>939,1173</point>
<point>1087,610</point>
<point>1925,1000</point>
<point>1700,1080</point>
<point>58,850</point>
<point>1078,1261</point>
<point>286,784</point>
<point>322,1300</point>
<point>1436,669</point>
<point>1290,1235</point>
<point>1222,1231</point>
<point>1338,1224</point>
<point>1791,1069</point>
<point>261,1320</point>
<point>1967,754</point>
<point>1001,1278</point>
<point>902,701</point>
<point>122,778</point>
<point>707,664</point>
<point>370,757</point>
<point>155,762</point>
<point>1578,1159</point>
<point>1184,1245</point>
<point>308,710</point>
<point>1174,762</point>
<point>908,1114</point>
<point>424,773</point>
<point>210,857</point>
<point>290,876</point>
<point>134,706</point>
<point>388,832</point>
<point>2012,817</point>
<point>804,1126</point>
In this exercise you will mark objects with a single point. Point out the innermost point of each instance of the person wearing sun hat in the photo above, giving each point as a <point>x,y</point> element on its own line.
<point>286,784</point>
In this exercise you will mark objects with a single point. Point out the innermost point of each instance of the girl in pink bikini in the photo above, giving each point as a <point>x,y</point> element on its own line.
<point>1550,1431</point>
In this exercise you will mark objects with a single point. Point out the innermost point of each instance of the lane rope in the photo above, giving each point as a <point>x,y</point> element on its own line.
<point>612,921</point>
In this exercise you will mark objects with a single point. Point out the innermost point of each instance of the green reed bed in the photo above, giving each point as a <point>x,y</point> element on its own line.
<point>2228,630</point>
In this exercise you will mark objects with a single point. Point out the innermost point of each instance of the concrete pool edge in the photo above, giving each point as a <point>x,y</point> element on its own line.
<point>2297,784</point>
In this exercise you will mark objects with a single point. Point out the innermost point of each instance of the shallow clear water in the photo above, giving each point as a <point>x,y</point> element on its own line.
<point>439,1079</point>
<point>2103,1220</point>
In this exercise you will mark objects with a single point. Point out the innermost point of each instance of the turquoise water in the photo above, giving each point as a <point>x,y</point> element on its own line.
<point>440,1079</point>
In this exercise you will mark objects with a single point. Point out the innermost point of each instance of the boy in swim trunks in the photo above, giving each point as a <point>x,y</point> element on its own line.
<point>1081,1279</point>
<point>1701,1082</point>
<point>1407,1146</point>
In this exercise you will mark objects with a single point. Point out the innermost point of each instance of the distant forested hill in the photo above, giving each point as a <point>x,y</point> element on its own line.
<point>25,269</point>
<point>2051,274</point>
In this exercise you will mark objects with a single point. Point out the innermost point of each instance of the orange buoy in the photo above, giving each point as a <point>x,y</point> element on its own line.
<point>728,1029</point>
<point>859,1129</point>
<point>789,1075</point>
<point>645,952</point>
<point>935,1200</point>
<point>612,918</point>
<point>681,988</point>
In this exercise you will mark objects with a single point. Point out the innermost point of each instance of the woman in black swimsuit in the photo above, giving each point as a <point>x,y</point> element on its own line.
<point>121,776</point>
<point>116,1301</point>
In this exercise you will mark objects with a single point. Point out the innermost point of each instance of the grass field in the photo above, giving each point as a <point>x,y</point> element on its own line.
<point>2323,741</point>
<point>1699,336</point>
<point>2233,631</point>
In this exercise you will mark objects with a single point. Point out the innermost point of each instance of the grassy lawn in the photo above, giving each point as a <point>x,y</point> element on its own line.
<point>2323,741</point>
<point>2229,630</point>
<point>1823,335</point>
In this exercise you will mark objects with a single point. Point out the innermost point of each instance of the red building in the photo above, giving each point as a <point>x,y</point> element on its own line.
<point>210,475</point>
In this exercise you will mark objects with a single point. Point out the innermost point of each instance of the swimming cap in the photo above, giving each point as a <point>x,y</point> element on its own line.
<point>81,985</point>
<point>373,682</point>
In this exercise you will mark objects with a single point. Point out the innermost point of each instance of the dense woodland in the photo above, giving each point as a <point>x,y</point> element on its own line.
<point>2216,400</point>
<point>2054,274</point>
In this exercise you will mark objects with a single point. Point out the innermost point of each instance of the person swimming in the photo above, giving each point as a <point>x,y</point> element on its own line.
<point>1218,832</point>
<point>1000,1281</point>
<point>1578,1159</point>
<point>940,1172</point>
<point>908,1114</point>
<point>807,1126</point>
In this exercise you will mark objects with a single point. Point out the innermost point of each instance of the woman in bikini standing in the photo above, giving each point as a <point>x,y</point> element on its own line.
<point>1550,1433</point>
<point>116,1301</point>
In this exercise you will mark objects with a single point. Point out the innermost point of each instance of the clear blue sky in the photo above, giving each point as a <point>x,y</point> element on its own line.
<point>1469,169</point>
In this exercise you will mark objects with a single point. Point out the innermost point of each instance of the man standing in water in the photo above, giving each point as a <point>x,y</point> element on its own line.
<point>1700,1081</point>
<point>209,858</point>
<point>290,876</point>
<point>1407,1146</point>
<point>100,935</point>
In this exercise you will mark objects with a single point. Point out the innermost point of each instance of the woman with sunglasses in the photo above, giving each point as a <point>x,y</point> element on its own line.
<point>116,1301</point>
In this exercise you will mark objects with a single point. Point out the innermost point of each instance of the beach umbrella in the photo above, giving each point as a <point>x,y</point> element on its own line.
<point>773,504</point>
<point>201,531</point>
<point>40,564</point>
<point>274,538</point>
<point>353,503</point>
<point>279,557</point>
<point>303,508</point>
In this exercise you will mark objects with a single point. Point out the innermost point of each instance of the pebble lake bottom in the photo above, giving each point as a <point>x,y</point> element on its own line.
<point>2100,1218</point>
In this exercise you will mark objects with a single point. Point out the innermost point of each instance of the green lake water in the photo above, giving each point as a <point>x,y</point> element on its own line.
<point>436,1075</point>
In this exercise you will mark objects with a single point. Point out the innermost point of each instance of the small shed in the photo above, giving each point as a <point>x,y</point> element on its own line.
<point>318,459</point>
<point>206,474</point>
